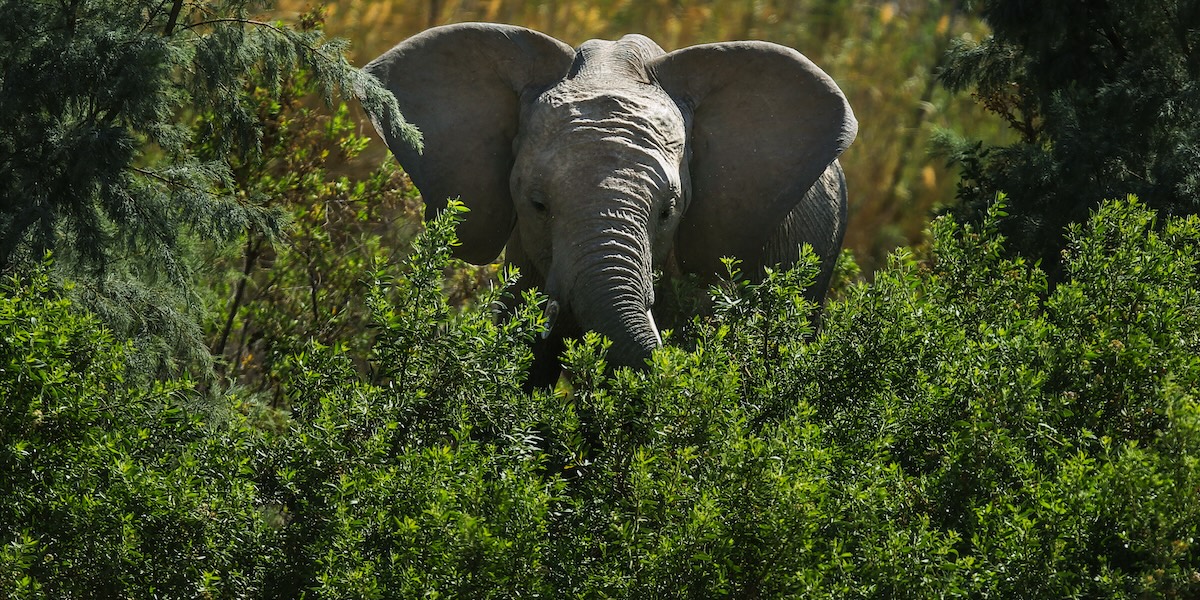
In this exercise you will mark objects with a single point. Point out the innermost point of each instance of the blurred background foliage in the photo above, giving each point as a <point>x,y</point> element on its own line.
<point>884,55</point>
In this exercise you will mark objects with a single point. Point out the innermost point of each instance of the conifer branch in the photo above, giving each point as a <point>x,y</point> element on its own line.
<point>238,20</point>
<point>15,232</point>
<point>170,182</point>
<point>282,32</point>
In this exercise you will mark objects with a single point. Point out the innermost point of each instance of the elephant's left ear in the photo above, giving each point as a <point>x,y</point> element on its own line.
<point>766,122</point>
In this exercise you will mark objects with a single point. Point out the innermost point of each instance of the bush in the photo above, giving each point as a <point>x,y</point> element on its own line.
<point>954,430</point>
<point>269,297</point>
<point>428,483</point>
<point>113,489</point>
<point>1052,437</point>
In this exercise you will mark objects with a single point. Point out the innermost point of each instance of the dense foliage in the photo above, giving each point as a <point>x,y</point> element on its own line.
<point>954,430</point>
<point>99,161</point>
<point>1105,100</point>
<point>113,489</point>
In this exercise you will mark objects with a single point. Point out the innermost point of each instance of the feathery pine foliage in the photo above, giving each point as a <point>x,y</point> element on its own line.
<point>1105,100</point>
<point>97,159</point>
<point>955,430</point>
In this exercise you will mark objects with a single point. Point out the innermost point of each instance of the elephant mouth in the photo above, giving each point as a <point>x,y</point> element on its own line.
<point>553,309</point>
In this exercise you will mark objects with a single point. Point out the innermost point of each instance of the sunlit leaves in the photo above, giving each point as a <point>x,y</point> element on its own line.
<point>936,437</point>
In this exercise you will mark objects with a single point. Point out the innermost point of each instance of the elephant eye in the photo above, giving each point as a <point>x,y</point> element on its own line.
<point>667,209</point>
<point>538,205</point>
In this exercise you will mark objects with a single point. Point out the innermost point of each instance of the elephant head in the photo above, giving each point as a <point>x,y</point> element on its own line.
<point>598,165</point>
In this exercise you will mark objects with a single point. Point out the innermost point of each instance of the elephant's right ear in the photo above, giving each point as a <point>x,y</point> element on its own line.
<point>461,85</point>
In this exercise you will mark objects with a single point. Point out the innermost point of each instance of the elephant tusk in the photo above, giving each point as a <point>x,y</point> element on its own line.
<point>654,327</point>
<point>551,317</point>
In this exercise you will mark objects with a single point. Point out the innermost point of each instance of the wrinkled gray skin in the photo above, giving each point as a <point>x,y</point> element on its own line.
<point>596,167</point>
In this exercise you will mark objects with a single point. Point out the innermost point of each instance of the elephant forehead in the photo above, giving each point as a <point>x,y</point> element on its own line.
<point>613,163</point>
<point>640,117</point>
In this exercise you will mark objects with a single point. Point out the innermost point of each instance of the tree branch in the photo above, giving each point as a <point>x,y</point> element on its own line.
<point>264,24</point>
<point>169,182</point>
<point>15,233</point>
<point>173,18</point>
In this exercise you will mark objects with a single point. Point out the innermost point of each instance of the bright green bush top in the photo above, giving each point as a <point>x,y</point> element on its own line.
<point>956,429</point>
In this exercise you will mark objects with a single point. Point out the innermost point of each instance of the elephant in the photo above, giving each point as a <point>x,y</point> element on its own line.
<point>594,168</point>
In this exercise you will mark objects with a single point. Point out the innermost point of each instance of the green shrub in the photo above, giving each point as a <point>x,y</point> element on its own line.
<point>954,429</point>
<point>268,297</point>
<point>430,482</point>
<point>1053,435</point>
<point>111,490</point>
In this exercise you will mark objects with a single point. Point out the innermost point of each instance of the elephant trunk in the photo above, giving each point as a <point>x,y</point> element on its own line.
<point>611,292</point>
<point>628,322</point>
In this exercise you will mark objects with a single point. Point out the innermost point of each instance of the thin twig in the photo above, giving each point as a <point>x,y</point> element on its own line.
<point>170,182</point>
<point>232,20</point>
<point>253,249</point>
